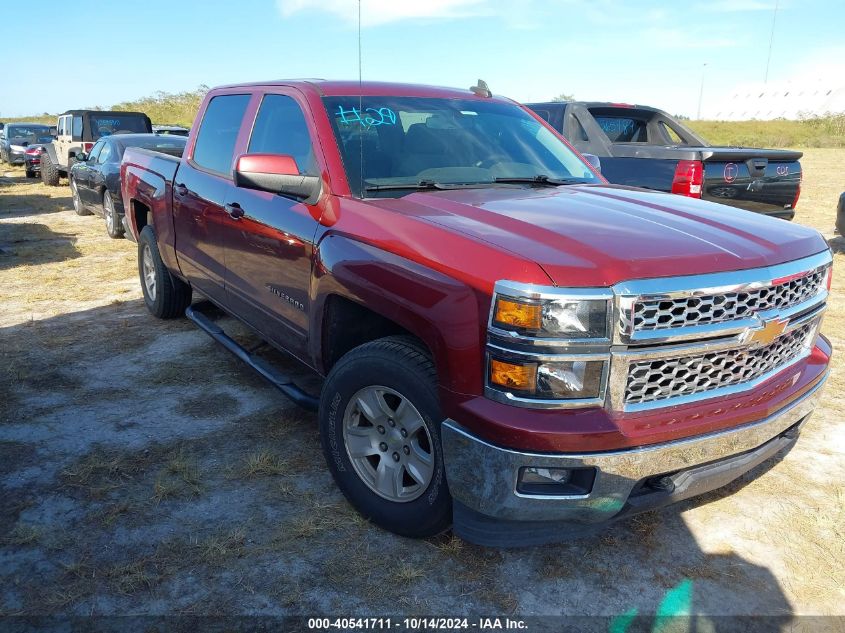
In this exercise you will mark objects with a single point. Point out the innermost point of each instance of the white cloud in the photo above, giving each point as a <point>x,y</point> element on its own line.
<point>376,12</point>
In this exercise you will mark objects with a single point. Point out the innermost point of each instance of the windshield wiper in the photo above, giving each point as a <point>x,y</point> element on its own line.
<point>540,179</point>
<point>419,186</point>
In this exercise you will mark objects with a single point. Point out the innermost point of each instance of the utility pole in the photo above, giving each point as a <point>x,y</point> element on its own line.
<point>701,90</point>
<point>771,39</point>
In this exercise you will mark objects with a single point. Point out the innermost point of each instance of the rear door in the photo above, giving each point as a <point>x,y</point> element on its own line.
<point>269,248</point>
<point>200,189</point>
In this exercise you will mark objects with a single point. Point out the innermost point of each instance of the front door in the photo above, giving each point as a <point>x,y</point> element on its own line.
<point>200,190</point>
<point>269,247</point>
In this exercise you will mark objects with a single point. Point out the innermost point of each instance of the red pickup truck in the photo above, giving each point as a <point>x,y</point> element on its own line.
<point>510,345</point>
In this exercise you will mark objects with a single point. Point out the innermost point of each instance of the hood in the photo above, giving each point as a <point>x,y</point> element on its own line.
<point>599,235</point>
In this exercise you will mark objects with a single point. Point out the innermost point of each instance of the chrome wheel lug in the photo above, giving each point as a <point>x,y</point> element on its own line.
<point>391,422</point>
<point>406,450</point>
<point>403,432</point>
<point>381,429</point>
<point>382,447</point>
<point>395,457</point>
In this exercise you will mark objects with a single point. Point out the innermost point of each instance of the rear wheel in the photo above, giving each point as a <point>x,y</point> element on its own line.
<point>78,207</point>
<point>166,296</point>
<point>114,226</point>
<point>49,171</point>
<point>380,432</point>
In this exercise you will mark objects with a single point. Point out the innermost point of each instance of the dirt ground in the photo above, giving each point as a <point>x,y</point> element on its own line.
<point>143,470</point>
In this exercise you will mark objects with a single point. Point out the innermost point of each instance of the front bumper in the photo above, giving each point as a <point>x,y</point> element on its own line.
<point>490,511</point>
<point>16,158</point>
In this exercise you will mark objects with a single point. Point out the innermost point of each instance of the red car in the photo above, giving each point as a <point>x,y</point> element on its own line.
<point>509,344</point>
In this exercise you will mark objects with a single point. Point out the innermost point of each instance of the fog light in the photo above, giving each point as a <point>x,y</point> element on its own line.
<point>534,475</point>
<point>541,481</point>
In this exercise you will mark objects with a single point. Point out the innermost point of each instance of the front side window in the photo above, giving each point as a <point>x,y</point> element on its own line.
<point>280,128</point>
<point>95,151</point>
<point>392,141</point>
<point>218,133</point>
<point>105,154</point>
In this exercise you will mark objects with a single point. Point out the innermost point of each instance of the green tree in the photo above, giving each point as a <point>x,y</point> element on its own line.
<point>563,97</point>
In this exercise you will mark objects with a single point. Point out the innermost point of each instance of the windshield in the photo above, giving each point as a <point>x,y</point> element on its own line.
<point>107,125</point>
<point>388,142</point>
<point>29,132</point>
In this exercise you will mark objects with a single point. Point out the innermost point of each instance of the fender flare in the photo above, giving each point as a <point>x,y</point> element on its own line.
<point>443,312</point>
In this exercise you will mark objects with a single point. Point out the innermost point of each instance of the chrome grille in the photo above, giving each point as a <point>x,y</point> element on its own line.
<point>662,314</point>
<point>653,380</point>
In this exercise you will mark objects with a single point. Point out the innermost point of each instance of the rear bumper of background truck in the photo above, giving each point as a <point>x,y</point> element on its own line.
<point>489,510</point>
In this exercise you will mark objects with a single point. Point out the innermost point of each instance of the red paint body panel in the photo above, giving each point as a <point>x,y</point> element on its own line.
<point>428,262</point>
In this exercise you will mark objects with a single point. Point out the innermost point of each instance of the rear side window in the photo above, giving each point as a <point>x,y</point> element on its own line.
<point>623,129</point>
<point>671,135</point>
<point>77,128</point>
<point>218,133</point>
<point>280,128</point>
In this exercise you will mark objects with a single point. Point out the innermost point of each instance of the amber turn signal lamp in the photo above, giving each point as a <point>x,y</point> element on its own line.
<point>516,314</point>
<point>511,376</point>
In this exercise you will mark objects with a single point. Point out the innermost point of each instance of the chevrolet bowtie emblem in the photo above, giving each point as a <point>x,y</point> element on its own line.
<point>765,334</point>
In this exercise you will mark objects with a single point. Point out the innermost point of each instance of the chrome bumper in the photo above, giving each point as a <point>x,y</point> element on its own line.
<point>482,477</point>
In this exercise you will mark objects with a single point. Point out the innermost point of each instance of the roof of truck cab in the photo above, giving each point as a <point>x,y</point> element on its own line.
<point>326,88</point>
<point>84,112</point>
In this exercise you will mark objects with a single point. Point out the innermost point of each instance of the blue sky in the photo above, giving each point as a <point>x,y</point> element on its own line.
<point>633,50</point>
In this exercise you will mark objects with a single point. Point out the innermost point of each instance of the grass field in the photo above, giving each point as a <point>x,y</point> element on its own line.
<point>143,470</point>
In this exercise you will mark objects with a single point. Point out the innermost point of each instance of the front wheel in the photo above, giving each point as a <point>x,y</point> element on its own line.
<point>78,207</point>
<point>380,432</point>
<point>166,296</point>
<point>114,225</point>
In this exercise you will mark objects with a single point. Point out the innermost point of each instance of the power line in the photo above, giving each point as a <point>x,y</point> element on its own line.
<point>771,39</point>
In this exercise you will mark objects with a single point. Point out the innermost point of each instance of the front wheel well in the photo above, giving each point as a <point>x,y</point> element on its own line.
<point>347,324</point>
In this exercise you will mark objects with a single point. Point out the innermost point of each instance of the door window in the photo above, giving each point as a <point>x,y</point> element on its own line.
<point>280,128</point>
<point>77,128</point>
<point>95,151</point>
<point>105,154</point>
<point>218,133</point>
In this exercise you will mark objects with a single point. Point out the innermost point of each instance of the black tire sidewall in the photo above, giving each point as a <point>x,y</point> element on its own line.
<point>148,238</point>
<point>429,513</point>
<point>116,223</point>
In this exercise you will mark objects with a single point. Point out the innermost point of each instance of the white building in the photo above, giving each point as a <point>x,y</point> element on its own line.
<point>787,99</point>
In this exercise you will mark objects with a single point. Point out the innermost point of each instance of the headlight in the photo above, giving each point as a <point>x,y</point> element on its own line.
<point>547,379</point>
<point>564,314</point>
<point>17,148</point>
<point>548,347</point>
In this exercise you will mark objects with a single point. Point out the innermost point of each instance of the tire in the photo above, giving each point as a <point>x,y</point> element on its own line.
<point>78,207</point>
<point>49,171</point>
<point>388,372</point>
<point>114,223</point>
<point>168,296</point>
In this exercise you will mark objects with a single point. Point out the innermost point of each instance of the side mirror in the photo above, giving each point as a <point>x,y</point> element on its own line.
<point>594,160</point>
<point>81,157</point>
<point>278,174</point>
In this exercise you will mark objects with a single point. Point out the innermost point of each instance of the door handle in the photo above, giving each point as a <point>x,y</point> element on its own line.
<point>181,189</point>
<point>234,210</point>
